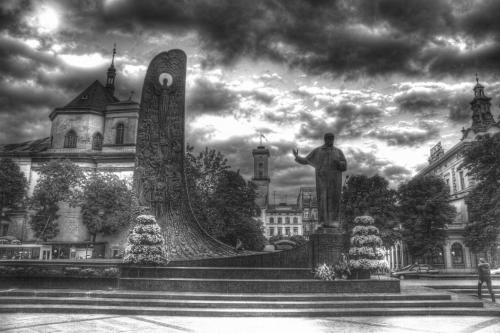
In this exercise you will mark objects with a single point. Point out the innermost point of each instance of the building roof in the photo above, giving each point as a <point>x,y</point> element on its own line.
<point>33,146</point>
<point>96,96</point>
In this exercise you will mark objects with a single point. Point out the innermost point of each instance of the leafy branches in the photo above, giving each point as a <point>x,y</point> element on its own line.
<point>424,213</point>
<point>482,159</point>
<point>372,196</point>
<point>13,185</point>
<point>224,203</point>
<point>59,181</point>
<point>106,203</point>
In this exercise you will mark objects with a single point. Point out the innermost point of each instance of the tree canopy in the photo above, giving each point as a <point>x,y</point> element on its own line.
<point>223,202</point>
<point>13,185</point>
<point>482,160</point>
<point>424,213</point>
<point>59,181</point>
<point>371,196</point>
<point>106,203</point>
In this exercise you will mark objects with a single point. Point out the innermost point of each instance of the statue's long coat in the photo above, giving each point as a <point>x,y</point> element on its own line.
<point>329,163</point>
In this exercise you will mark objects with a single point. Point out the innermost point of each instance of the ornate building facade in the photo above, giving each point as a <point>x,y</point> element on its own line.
<point>95,130</point>
<point>455,256</point>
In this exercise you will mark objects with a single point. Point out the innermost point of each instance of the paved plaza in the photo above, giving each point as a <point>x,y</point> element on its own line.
<point>108,323</point>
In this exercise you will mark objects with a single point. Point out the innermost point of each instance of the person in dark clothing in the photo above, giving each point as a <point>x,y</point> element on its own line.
<point>484,276</point>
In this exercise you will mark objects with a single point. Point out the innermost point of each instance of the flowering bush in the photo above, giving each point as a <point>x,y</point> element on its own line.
<point>325,272</point>
<point>366,252</point>
<point>145,243</point>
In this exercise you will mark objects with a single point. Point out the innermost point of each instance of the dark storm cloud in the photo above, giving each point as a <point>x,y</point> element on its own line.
<point>431,101</point>
<point>24,125</point>
<point>395,170</point>
<point>405,136</point>
<point>346,120</point>
<point>350,37</point>
<point>207,97</point>
<point>366,163</point>
<point>11,13</point>
<point>18,60</point>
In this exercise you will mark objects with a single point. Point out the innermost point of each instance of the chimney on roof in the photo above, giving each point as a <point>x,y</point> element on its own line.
<point>111,74</point>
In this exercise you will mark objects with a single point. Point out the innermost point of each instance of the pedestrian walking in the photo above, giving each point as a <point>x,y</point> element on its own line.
<point>483,270</point>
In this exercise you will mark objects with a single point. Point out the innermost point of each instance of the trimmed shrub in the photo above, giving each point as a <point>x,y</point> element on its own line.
<point>366,253</point>
<point>145,243</point>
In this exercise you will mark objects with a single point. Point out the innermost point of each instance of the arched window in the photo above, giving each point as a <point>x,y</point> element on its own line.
<point>437,257</point>
<point>287,220</point>
<point>97,141</point>
<point>457,254</point>
<point>120,131</point>
<point>70,139</point>
<point>280,220</point>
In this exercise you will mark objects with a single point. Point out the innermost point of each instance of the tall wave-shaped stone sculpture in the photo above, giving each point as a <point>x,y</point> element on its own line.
<point>159,177</point>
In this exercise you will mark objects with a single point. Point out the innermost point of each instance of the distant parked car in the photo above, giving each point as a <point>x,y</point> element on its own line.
<point>495,270</point>
<point>413,271</point>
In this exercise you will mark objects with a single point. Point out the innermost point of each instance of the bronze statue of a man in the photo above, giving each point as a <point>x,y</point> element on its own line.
<point>329,163</point>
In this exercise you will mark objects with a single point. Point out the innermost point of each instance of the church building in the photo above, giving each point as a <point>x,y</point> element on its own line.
<point>455,256</point>
<point>95,130</point>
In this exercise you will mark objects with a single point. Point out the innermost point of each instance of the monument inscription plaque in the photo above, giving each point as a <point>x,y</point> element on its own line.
<point>159,177</point>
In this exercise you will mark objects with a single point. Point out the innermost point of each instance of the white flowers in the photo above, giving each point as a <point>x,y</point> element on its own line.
<point>325,272</point>
<point>366,252</point>
<point>145,243</point>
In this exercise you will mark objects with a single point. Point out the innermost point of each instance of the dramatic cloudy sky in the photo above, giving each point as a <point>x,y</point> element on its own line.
<point>390,78</point>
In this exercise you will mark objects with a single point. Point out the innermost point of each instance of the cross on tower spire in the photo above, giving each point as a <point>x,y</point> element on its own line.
<point>111,74</point>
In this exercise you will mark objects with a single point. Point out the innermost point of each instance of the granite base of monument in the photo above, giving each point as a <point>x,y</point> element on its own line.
<point>326,245</point>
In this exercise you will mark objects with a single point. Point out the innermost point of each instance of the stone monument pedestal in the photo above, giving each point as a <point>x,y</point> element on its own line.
<point>327,246</point>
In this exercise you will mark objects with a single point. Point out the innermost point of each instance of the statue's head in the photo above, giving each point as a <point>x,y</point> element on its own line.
<point>329,138</point>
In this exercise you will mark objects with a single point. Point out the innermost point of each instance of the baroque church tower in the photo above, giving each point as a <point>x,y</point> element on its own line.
<point>261,175</point>
<point>482,119</point>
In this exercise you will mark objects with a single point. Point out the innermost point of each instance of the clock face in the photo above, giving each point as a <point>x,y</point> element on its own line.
<point>166,78</point>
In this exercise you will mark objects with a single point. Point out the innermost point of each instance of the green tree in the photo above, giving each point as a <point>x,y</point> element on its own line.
<point>424,213</point>
<point>106,204</point>
<point>59,181</point>
<point>203,173</point>
<point>482,159</point>
<point>371,196</point>
<point>13,185</point>
<point>234,202</point>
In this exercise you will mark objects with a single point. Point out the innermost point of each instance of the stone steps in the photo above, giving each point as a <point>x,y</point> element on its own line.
<point>124,294</point>
<point>258,305</point>
<point>237,304</point>
<point>247,312</point>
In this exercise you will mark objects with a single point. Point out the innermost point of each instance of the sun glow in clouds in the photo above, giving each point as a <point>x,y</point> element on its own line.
<point>85,60</point>
<point>45,19</point>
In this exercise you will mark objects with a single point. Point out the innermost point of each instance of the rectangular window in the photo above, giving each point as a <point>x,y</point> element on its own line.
<point>448,183</point>
<point>5,229</point>
<point>280,231</point>
<point>271,220</point>
<point>271,231</point>
<point>287,231</point>
<point>287,220</point>
<point>280,220</point>
<point>462,180</point>
<point>295,231</point>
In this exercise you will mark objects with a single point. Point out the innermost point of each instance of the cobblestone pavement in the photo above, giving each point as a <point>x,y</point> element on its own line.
<point>108,323</point>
